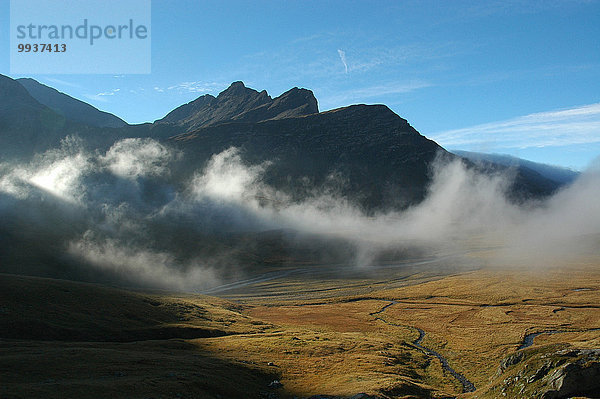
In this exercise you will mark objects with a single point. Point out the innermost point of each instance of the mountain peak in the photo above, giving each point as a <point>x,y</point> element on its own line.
<point>294,102</point>
<point>238,83</point>
<point>235,88</point>
<point>239,103</point>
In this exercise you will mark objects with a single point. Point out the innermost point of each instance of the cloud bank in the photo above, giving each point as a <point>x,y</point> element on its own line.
<point>124,215</point>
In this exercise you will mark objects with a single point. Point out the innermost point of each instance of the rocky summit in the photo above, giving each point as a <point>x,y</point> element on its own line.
<point>242,104</point>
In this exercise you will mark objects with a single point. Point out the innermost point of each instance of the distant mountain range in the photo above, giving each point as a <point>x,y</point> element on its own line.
<point>379,157</point>
<point>557,174</point>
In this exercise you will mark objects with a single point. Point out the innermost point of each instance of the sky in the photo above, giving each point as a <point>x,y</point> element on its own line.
<point>513,77</point>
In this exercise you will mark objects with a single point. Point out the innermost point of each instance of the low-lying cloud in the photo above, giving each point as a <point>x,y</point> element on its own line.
<point>125,215</point>
<point>133,158</point>
<point>143,266</point>
<point>462,205</point>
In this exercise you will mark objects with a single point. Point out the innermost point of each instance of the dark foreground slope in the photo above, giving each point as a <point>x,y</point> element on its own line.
<point>61,339</point>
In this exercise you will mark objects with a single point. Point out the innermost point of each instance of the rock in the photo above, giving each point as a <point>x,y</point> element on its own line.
<point>541,372</point>
<point>594,353</point>
<point>574,379</point>
<point>569,352</point>
<point>275,384</point>
<point>271,364</point>
<point>555,374</point>
<point>510,361</point>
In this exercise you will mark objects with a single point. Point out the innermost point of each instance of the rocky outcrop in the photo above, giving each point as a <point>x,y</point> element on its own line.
<point>578,378</point>
<point>550,374</point>
<point>242,104</point>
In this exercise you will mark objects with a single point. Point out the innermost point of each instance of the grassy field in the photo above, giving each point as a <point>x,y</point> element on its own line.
<point>318,332</point>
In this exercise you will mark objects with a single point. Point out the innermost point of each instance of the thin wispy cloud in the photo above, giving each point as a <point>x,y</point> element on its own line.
<point>103,96</point>
<point>342,54</point>
<point>579,125</point>
<point>416,57</point>
<point>196,87</point>
<point>109,93</point>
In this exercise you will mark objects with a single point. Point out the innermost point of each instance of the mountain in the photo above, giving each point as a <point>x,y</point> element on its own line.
<point>242,104</point>
<point>367,152</point>
<point>28,127</point>
<point>379,158</point>
<point>70,107</point>
<point>25,122</point>
<point>557,174</point>
<point>370,154</point>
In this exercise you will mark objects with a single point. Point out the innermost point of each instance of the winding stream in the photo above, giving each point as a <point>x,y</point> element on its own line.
<point>528,338</point>
<point>467,385</point>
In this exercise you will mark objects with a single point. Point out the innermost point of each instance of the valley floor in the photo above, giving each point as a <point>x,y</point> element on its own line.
<point>418,330</point>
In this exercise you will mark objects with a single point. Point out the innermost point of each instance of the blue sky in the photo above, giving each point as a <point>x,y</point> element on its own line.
<point>514,77</point>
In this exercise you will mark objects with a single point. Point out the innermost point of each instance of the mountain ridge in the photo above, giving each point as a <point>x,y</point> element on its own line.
<point>382,161</point>
<point>240,103</point>
<point>24,121</point>
<point>70,107</point>
<point>558,174</point>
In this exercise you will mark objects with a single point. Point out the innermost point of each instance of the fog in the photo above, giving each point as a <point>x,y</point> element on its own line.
<point>125,216</point>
